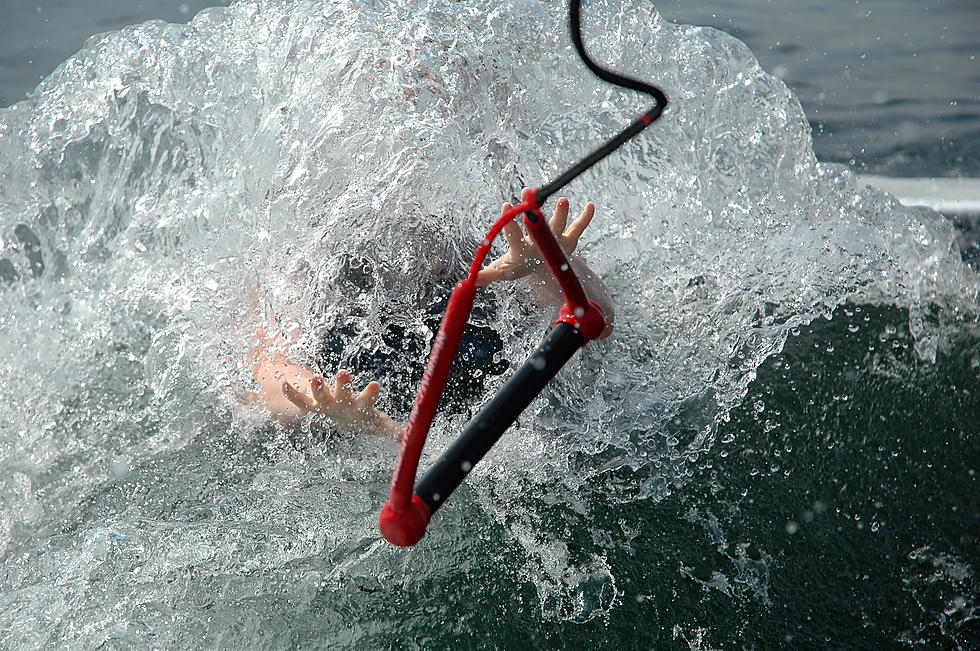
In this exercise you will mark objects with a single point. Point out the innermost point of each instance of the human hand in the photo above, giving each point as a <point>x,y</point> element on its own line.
<point>523,257</point>
<point>339,406</point>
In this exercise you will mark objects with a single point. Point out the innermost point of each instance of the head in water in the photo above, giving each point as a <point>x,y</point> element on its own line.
<point>388,341</point>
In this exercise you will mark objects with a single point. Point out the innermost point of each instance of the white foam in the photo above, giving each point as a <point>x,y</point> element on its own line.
<point>950,196</point>
<point>324,162</point>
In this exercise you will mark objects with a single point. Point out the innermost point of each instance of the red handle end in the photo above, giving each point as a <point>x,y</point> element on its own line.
<point>588,319</point>
<point>404,528</point>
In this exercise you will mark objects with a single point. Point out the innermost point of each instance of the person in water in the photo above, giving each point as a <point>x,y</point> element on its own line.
<point>283,393</point>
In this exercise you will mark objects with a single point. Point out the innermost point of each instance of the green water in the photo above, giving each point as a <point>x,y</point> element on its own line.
<point>699,480</point>
<point>844,511</point>
<point>840,513</point>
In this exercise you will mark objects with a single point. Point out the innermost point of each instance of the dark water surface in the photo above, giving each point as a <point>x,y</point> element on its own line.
<point>838,507</point>
<point>37,35</point>
<point>889,87</point>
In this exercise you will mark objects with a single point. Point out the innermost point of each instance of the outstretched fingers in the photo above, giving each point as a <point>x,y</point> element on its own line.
<point>560,218</point>
<point>299,399</point>
<point>509,265</point>
<point>522,256</point>
<point>342,392</point>
<point>578,227</point>
<point>368,397</point>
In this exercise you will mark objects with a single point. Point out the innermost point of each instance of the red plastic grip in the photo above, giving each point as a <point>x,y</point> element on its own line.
<point>404,518</point>
<point>578,311</point>
<point>589,319</point>
<point>404,527</point>
<point>433,383</point>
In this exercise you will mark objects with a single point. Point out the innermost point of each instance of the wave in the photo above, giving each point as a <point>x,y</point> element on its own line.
<point>170,186</point>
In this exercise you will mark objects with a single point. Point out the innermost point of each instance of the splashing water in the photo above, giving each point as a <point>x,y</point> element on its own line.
<point>172,186</point>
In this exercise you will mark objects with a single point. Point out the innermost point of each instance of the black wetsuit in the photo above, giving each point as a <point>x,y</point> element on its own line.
<point>400,367</point>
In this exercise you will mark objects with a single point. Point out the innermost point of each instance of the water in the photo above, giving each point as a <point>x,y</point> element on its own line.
<point>37,35</point>
<point>888,86</point>
<point>777,448</point>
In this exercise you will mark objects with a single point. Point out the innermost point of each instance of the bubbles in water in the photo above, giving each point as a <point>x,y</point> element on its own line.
<point>172,187</point>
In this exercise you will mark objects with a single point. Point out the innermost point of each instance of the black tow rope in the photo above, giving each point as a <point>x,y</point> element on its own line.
<point>405,516</point>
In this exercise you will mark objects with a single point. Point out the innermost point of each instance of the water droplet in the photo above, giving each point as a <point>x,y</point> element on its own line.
<point>466,466</point>
<point>792,527</point>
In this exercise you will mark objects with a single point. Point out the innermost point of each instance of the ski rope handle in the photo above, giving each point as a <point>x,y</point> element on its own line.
<point>404,518</point>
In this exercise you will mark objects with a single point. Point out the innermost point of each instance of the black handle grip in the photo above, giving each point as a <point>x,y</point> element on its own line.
<point>497,415</point>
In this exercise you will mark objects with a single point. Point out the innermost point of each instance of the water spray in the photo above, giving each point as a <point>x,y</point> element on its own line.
<point>404,518</point>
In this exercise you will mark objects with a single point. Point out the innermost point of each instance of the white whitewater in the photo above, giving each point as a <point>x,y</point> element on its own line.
<point>173,182</point>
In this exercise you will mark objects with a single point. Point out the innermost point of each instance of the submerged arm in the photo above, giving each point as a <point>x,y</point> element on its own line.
<point>284,395</point>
